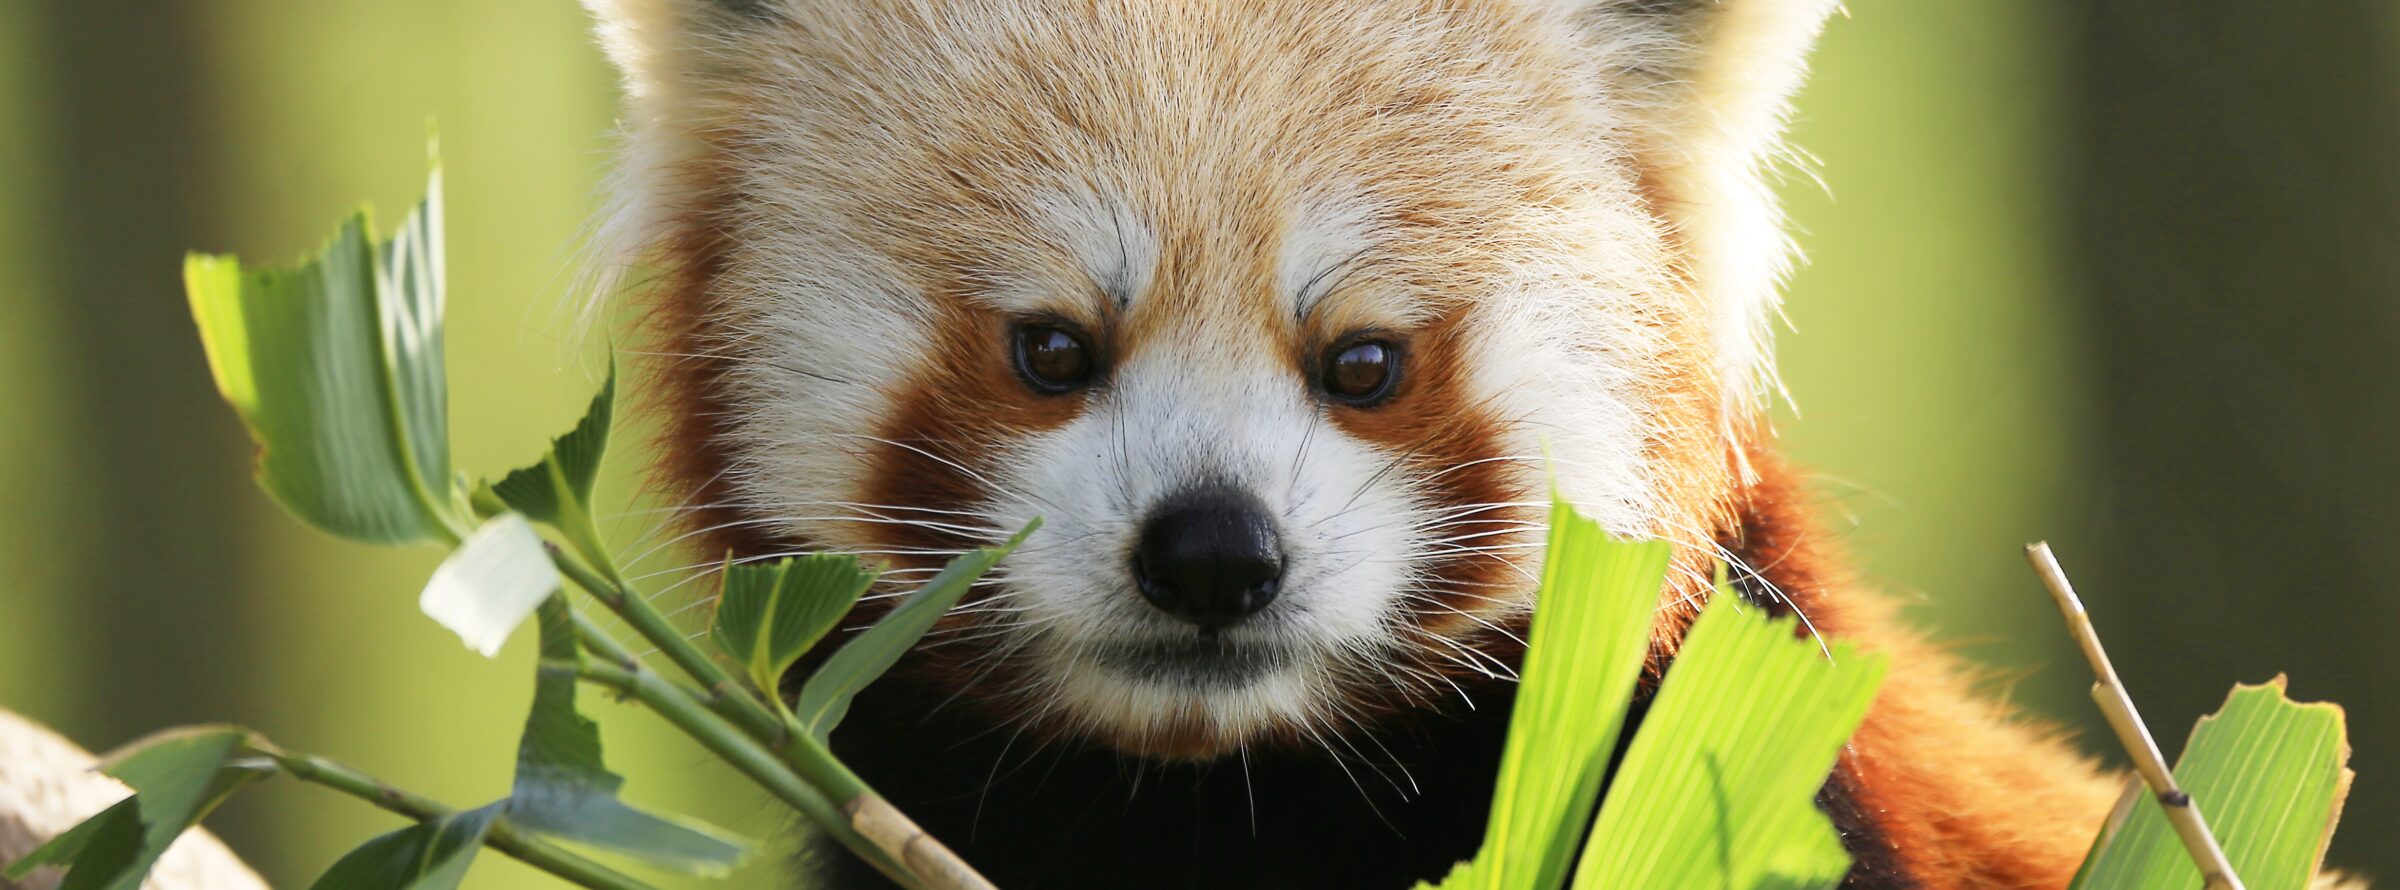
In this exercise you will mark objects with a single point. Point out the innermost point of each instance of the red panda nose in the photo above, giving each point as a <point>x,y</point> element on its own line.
<point>1210,558</point>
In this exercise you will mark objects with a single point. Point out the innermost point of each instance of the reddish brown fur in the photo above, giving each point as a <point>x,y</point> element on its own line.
<point>1955,790</point>
<point>688,369</point>
<point>1219,281</point>
<point>1939,789</point>
<point>1439,433</point>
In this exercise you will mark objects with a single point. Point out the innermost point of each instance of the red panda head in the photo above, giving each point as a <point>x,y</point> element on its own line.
<point>1284,317</point>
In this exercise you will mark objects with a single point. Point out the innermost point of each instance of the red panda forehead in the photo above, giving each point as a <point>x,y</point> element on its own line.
<point>1250,284</point>
<point>1098,66</point>
<point>961,132</point>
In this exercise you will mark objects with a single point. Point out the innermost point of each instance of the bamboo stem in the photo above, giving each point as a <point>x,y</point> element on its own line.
<point>504,837</point>
<point>754,720</point>
<point>2132,733</point>
<point>863,818</point>
<point>746,755</point>
<point>899,837</point>
<point>637,611</point>
<point>734,724</point>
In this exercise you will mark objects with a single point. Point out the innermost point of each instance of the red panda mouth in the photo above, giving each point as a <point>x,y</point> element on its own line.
<point>1194,662</point>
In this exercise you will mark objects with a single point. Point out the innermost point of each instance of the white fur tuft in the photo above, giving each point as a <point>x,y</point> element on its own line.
<point>1713,81</point>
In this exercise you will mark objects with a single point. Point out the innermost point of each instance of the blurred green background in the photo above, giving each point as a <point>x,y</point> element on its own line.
<point>2114,273</point>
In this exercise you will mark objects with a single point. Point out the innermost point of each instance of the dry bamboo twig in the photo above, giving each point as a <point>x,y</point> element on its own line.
<point>2117,706</point>
<point>872,816</point>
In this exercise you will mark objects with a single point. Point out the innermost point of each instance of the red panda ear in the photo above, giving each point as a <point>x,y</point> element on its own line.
<point>665,52</point>
<point>652,39</point>
<point>1708,84</point>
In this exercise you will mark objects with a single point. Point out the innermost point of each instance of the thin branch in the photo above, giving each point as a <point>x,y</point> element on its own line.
<point>730,721</point>
<point>504,837</point>
<point>743,753</point>
<point>2110,693</point>
<point>864,821</point>
<point>726,695</point>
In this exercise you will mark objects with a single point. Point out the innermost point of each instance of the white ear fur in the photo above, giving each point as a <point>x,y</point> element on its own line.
<point>660,48</point>
<point>1711,81</point>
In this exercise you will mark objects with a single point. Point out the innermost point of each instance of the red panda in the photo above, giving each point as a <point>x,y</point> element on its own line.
<point>1283,316</point>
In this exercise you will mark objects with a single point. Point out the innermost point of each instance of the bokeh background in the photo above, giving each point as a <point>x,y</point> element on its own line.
<point>2114,273</point>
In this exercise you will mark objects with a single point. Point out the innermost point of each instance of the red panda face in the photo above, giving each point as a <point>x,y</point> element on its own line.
<point>1270,315</point>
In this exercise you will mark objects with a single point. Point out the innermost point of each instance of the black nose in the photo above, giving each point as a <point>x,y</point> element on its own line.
<point>1211,559</point>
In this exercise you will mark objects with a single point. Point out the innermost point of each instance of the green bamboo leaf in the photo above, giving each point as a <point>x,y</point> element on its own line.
<point>565,789</point>
<point>555,490</point>
<point>771,614</point>
<point>1719,786</point>
<point>97,849</point>
<point>177,776</point>
<point>825,698</point>
<point>412,291</point>
<point>425,856</point>
<point>1465,874</point>
<point>2268,774</point>
<point>336,368</point>
<point>1590,636</point>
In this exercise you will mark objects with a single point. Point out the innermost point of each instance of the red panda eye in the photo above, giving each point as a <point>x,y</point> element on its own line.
<point>1362,373</point>
<point>1052,359</point>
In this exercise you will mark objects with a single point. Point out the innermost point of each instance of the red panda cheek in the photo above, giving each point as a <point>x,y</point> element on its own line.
<point>939,444</point>
<point>1453,452</point>
<point>696,445</point>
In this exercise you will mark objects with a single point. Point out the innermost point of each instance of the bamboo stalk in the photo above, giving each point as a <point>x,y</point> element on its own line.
<point>899,849</point>
<point>923,854</point>
<point>637,611</point>
<point>504,836</point>
<point>2132,733</point>
<point>728,720</point>
<point>863,820</point>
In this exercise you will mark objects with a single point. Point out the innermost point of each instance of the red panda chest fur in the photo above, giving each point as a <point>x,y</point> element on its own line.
<point>1284,319</point>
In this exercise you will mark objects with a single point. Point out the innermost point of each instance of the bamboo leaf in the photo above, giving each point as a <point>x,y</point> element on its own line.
<point>336,368</point>
<point>2268,774</point>
<point>2125,720</point>
<point>177,776</point>
<point>1590,636</point>
<point>491,583</point>
<point>1719,786</point>
<point>558,486</point>
<point>425,856</point>
<point>99,848</point>
<point>771,614</point>
<point>826,697</point>
<point>565,789</point>
<point>1467,873</point>
<point>412,293</point>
